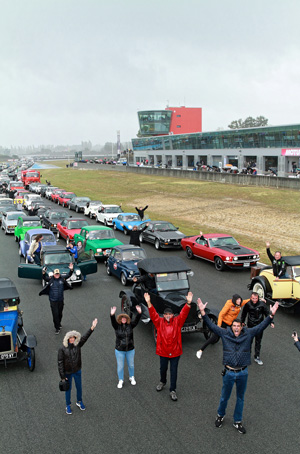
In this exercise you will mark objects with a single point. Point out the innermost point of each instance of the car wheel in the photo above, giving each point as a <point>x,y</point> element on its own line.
<point>108,270</point>
<point>105,222</point>
<point>57,202</point>
<point>20,251</point>
<point>31,359</point>
<point>90,215</point>
<point>141,238</point>
<point>68,240</point>
<point>69,207</point>
<point>207,333</point>
<point>76,209</point>
<point>189,253</point>
<point>156,244</point>
<point>258,288</point>
<point>154,333</point>
<point>123,279</point>
<point>115,227</point>
<point>58,235</point>
<point>125,305</point>
<point>125,231</point>
<point>219,264</point>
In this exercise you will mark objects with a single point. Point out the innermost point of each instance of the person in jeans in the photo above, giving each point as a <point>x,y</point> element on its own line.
<point>169,343</point>
<point>34,252</point>
<point>69,363</point>
<point>123,326</point>
<point>237,342</point>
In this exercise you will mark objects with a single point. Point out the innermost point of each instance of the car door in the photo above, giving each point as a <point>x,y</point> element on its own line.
<point>149,233</point>
<point>62,227</point>
<point>117,264</point>
<point>201,249</point>
<point>87,263</point>
<point>282,288</point>
<point>30,271</point>
<point>118,221</point>
<point>100,214</point>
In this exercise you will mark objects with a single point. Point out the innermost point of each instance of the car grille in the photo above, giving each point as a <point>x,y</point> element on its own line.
<point>5,343</point>
<point>245,258</point>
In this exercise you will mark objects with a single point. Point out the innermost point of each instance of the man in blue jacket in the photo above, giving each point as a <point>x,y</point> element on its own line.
<point>236,358</point>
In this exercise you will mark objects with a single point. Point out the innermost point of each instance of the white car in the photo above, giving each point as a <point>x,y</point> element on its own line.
<point>49,191</point>
<point>10,220</point>
<point>30,200</point>
<point>106,213</point>
<point>92,208</point>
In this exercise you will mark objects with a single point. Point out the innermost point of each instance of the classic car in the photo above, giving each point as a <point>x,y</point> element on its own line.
<point>6,208</point>
<point>24,245</point>
<point>99,239</point>
<point>55,194</point>
<point>91,208</point>
<point>30,200</point>
<point>64,198</point>
<point>49,191</point>
<point>67,228</point>
<point>122,262</point>
<point>125,222</point>
<point>172,285</point>
<point>223,250</point>
<point>162,234</point>
<point>51,217</point>
<point>24,224</point>
<point>285,291</point>
<point>106,213</point>
<point>15,343</point>
<point>53,257</point>
<point>10,220</point>
<point>15,185</point>
<point>78,203</point>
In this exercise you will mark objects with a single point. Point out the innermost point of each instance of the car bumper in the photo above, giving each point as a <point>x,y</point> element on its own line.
<point>246,264</point>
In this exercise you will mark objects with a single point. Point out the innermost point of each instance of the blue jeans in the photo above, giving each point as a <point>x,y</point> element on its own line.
<point>120,356</point>
<point>240,379</point>
<point>77,379</point>
<point>164,362</point>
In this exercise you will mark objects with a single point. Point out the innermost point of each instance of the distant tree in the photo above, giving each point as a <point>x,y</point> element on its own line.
<point>249,122</point>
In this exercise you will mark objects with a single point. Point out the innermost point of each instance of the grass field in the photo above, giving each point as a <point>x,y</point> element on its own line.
<point>253,215</point>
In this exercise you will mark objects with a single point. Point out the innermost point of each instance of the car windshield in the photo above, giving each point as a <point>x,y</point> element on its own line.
<point>31,224</point>
<point>131,218</point>
<point>165,227</point>
<point>222,241</point>
<point>76,224</point>
<point>82,199</point>
<point>58,215</point>
<point>56,259</point>
<point>47,238</point>
<point>94,203</point>
<point>138,254</point>
<point>172,281</point>
<point>67,196</point>
<point>32,174</point>
<point>8,302</point>
<point>113,210</point>
<point>296,270</point>
<point>101,234</point>
<point>14,216</point>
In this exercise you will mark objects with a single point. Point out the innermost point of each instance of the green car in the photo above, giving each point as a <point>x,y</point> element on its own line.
<point>99,239</point>
<point>53,257</point>
<point>24,224</point>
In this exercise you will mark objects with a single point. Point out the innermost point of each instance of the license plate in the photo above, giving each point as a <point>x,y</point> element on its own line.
<point>8,355</point>
<point>247,264</point>
<point>188,329</point>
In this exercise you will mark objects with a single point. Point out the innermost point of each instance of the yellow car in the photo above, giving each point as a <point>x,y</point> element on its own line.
<point>285,291</point>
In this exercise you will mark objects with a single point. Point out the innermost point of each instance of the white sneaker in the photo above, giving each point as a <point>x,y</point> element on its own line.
<point>199,354</point>
<point>120,384</point>
<point>132,380</point>
<point>258,361</point>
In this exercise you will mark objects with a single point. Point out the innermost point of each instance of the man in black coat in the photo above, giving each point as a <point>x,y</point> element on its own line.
<point>55,289</point>
<point>135,235</point>
<point>278,264</point>
<point>256,310</point>
<point>141,211</point>
<point>69,363</point>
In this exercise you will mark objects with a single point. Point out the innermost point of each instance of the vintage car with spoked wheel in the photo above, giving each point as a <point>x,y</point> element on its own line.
<point>171,276</point>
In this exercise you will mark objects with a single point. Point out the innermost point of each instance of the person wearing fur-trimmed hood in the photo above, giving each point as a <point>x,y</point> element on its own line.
<point>69,363</point>
<point>123,326</point>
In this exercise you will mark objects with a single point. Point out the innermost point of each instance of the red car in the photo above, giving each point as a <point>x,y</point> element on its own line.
<point>221,249</point>
<point>68,227</point>
<point>64,198</point>
<point>55,194</point>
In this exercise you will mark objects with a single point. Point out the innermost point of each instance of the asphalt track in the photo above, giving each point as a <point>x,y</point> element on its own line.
<point>137,419</point>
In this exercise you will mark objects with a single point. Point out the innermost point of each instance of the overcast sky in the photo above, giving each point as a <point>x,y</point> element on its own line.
<point>77,70</point>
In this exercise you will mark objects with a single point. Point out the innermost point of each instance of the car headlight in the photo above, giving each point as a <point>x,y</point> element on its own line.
<point>227,258</point>
<point>131,273</point>
<point>254,256</point>
<point>50,274</point>
<point>99,250</point>
<point>235,258</point>
<point>78,272</point>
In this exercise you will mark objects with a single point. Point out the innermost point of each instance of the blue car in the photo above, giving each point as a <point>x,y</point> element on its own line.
<point>123,261</point>
<point>24,245</point>
<point>126,221</point>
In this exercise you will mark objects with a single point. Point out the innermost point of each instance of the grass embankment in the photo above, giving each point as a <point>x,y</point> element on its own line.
<point>253,215</point>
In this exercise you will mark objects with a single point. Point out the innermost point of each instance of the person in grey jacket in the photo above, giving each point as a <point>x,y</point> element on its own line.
<point>237,342</point>
<point>296,339</point>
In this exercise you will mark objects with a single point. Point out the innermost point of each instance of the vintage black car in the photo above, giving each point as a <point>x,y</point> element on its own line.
<point>51,218</point>
<point>162,234</point>
<point>15,343</point>
<point>172,285</point>
<point>78,203</point>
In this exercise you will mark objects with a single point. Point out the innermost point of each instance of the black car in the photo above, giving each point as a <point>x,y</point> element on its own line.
<point>51,217</point>
<point>78,203</point>
<point>171,276</point>
<point>162,234</point>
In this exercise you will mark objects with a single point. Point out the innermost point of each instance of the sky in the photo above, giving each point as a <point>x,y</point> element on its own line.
<point>79,70</point>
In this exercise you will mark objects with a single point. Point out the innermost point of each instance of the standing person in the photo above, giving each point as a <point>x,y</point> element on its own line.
<point>34,252</point>
<point>69,363</point>
<point>141,211</point>
<point>169,343</point>
<point>278,264</point>
<point>55,289</point>
<point>255,311</point>
<point>135,234</point>
<point>296,339</point>
<point>71,247</point>
<point>237,342</point>
<point>31,211</point>
<point>123,326</point>
<point>227,315</point>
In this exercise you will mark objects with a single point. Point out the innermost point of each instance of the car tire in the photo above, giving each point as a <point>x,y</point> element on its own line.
<point>157,244</point>
<point>108,270</point>
<point>76,209</point>
<point>189,253</point>
<point>68,240</point>
<point>219,264</point>
<point>115,227</point>
<point>105,223</point>
<point>20,251</point>
<point>141,238</point>
<point>58,235</point>
<point>125,231</point>
<point>5,231</point>
<point>125,305</point>
<point>258,288</point>
<point>69,206</point>
<point>31,359</point>
<point>207,333</point>
<point>90,215</point>
<point>123,279</point>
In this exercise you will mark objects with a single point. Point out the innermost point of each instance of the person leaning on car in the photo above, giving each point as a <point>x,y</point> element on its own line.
<point>278,264</point>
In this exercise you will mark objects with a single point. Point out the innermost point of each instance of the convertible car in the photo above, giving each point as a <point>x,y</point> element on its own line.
<point>223,250</point>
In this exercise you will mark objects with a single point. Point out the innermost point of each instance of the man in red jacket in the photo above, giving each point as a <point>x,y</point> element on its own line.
<point>169,343</point>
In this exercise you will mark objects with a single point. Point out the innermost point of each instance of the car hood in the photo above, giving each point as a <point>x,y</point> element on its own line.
<point>12,222</point>
<point>72,232</point>
<point>63,268</point>
<point>131,265</point>
<point>103,244</point>
<point>237,250</point>
<point>175,235</point>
